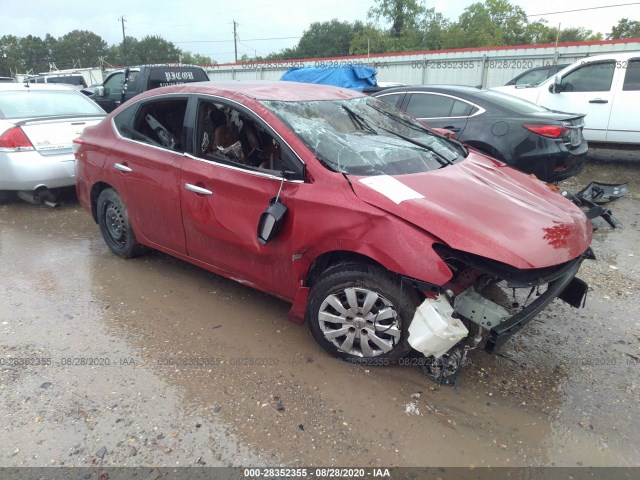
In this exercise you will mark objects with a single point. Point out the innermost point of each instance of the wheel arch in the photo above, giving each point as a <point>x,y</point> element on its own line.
<point>96,190</point>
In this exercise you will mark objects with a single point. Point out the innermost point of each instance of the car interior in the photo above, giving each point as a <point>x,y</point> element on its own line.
<point>227,134</point>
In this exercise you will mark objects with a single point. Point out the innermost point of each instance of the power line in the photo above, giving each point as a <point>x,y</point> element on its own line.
<point>584,9</point>
<point>246,40</point>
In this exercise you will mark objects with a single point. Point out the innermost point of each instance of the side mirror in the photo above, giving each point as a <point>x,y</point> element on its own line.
<point>556,86</point>
<point>99,92</point>
<point>271,221</point>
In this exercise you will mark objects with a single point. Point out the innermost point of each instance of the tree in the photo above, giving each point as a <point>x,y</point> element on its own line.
<point>400,14</point>
<point>196,59</point>
<point>34,54</point>
<point>625,29</point>
<point>328,39</point>
<point>79,48</point>
<point>10,56</point>
<point>152,49</point>
<point>371,40</point>
<point>492,23</point>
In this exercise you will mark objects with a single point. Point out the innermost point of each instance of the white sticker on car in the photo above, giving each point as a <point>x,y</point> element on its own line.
<point>391,188</point>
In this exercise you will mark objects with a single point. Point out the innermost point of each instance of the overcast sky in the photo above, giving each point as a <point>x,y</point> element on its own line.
<point>206,27</point>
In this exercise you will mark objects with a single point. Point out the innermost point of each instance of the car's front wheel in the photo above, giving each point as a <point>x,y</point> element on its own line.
<point>361,314</point>
<point>115,226</point>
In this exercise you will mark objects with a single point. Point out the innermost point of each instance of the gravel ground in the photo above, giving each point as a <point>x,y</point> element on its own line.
<point>155,362</point>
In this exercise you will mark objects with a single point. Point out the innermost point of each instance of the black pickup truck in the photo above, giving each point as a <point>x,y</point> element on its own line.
<point>122,85</point>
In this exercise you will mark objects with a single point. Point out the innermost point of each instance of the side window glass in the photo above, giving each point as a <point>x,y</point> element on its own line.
<point>113,85</point>
<point>424,105</point>
<point>594,77</point>
<point>461,109</point>
<point>632,76</point>
<point>534,77</point>
<point>228,135</point>
<point>159,123</point>
<point>391,98</point>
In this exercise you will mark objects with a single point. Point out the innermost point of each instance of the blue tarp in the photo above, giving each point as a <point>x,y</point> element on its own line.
<point>351,76</point>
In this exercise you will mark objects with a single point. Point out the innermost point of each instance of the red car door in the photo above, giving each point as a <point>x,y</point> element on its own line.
<point>221,208</point>
<point>146,175</point>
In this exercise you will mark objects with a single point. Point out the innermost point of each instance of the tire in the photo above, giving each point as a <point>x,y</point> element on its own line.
<point>115,226</point>
<point>371,310</point>
<point>5,196</point>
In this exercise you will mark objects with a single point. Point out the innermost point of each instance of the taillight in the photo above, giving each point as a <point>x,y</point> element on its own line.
<point>549,131</point>
<point>77,143</point>
<point>15,140</point>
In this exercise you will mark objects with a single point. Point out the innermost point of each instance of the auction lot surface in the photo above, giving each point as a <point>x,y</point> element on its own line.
<point>153,361</point>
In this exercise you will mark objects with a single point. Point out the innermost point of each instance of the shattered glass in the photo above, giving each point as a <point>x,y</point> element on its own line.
<point>365,136</point>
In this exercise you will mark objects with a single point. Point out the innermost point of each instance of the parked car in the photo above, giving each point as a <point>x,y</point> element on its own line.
<point>7,80</point>
<point>37,125</point>
<point>375,228</point>
<point>526,136</point>
<point>122,85</point>
<point>536,75</point>
<point>606,88</point>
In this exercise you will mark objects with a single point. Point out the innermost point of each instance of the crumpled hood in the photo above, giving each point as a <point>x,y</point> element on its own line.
<point>484,207</point>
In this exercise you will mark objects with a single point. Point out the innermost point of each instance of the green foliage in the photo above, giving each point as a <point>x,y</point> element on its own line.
<point>327,39</point>
<point>401,15</point>
<point>625,29</point>
<point>78,49</point>
<point>197,59</point>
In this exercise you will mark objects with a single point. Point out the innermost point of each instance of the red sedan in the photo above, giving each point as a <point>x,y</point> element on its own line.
<point>384,235</point>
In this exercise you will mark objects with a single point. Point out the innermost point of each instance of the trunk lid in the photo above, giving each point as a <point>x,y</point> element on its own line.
<point>54,136</point>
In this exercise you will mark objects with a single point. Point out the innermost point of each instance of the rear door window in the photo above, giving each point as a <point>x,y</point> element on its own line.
<point>632,75</point>
<point>432,105</point>
<point>392,98</point>
<point>159,122</point>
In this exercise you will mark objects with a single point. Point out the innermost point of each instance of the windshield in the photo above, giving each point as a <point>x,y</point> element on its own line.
<point>365,136</point>
<point>29,103</point>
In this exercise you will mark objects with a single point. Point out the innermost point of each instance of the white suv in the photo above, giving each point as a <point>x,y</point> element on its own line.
<point>604,87</point>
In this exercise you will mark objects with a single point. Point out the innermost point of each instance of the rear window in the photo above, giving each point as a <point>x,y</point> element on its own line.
<point>164,77</point>
<point>510,102</point>
<point>41,103</point>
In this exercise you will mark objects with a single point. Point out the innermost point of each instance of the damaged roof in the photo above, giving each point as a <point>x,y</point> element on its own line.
<point>265,90</point>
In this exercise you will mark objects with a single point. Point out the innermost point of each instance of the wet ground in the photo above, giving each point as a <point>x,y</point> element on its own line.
<point>153,361</point>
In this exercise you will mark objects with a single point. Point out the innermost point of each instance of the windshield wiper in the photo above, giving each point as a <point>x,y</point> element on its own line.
<point>456,143</point>
<point>361,122</point>
<point>459,144</point>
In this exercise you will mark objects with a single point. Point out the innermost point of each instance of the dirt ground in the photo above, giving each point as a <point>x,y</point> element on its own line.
<point>153,361</point>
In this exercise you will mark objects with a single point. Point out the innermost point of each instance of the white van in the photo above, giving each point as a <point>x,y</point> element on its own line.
<point>604,87</point>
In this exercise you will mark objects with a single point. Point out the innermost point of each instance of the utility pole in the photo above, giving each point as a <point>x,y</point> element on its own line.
<point>124,41</point>
<point>235,41</point>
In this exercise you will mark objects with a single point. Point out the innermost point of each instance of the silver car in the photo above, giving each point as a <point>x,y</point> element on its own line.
<point>37,126</point>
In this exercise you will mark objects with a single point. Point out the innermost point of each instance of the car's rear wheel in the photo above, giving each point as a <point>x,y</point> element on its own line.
<point>5,196</point>
<point>115,226</point>
<point>361,314</point>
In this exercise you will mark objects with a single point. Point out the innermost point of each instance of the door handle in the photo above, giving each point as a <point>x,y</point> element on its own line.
<point>196,189</point>
<point>598,100</point>
<point>452,128</point>
<point>122,168</point>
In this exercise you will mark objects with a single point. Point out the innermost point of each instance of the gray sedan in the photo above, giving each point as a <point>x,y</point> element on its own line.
<point>37,126</point>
